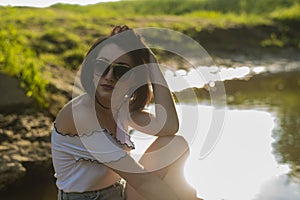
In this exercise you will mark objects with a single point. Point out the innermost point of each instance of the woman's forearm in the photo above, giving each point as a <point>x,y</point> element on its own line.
<point>146,183</point>
<point>165,110</point>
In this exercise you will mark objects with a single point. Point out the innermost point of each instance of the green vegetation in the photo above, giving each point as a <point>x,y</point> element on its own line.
<point>19,61</point>
<point>34,38</point>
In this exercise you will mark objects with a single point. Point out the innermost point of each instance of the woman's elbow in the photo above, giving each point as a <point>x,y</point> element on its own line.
<point>168,130</point>
<point>174,129</point>
<point>174,126</point>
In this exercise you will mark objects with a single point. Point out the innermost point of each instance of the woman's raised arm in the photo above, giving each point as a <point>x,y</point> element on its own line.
<point>165,120</point>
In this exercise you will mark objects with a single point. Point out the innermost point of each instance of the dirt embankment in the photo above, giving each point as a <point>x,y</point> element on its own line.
<point>251,44</point>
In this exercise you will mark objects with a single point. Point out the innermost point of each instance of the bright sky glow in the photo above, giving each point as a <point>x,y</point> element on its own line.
<point>39,3</point>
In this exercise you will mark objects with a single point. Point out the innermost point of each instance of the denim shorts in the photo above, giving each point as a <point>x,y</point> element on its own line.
<point>113,192</point>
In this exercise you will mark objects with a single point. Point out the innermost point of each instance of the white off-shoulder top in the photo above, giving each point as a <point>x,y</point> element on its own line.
<point>79,160</point>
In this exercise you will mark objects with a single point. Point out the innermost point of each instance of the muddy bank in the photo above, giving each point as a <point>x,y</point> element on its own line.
<point>26,170</point>
<point>24,144</point>
<point>25,153</point>
<point>283,40</point>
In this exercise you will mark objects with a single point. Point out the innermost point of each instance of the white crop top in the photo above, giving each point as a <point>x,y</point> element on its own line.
<point>78,159</point>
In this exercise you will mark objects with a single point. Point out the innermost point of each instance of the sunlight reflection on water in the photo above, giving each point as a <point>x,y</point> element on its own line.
<point>198,77</point>
<point>241,166</point>
<point>241,161</point>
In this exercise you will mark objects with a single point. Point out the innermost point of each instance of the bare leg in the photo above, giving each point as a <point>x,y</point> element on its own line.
<point>132,194</point>
<point>166,156</point>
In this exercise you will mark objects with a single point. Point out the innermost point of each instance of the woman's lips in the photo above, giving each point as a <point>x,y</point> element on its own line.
<point>107,87</point>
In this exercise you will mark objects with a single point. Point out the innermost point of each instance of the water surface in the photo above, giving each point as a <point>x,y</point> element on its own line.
<point>256,156</point>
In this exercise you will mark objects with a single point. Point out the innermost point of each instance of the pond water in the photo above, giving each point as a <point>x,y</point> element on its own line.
<point>256,154</point>
<point>242,164</point>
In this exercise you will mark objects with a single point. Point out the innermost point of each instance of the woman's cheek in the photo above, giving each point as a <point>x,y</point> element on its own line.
<point>96,80</point>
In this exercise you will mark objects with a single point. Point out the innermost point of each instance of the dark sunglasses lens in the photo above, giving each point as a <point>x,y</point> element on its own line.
<point>106,71</point>
<point>101,68</point>
<point>120,70</point>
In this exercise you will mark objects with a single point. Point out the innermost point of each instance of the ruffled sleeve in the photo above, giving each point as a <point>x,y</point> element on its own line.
<point>102,147</point>
<point>98,146</point>
<point>122,136</point>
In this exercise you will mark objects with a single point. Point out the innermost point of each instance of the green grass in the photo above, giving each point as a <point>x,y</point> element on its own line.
<point>21,62</point>
<point>287,14</point>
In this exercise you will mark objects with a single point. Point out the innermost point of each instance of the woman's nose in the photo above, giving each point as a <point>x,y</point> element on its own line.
<point>110,74</point>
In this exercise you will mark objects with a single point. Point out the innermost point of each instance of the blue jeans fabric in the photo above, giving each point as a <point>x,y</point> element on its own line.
<point>113,192</point>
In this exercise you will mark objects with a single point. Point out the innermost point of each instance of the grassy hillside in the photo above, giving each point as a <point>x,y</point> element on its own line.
<point>32,39</point>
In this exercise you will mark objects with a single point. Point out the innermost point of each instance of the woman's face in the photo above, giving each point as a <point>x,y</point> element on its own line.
<point>110,68</point>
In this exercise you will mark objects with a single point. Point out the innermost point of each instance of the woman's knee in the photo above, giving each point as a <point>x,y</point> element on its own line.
<point>175,142</point>
<point>167,147</point>
<point>164,153</point>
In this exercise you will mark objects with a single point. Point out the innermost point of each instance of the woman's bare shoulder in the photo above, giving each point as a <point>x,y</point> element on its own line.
<point>65,120</point>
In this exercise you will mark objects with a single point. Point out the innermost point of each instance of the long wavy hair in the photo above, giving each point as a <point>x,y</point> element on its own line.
<point>125,38</point>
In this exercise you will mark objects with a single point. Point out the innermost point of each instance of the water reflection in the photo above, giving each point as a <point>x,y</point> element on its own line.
<point>279,188</point>
<point>280,92</point>
<point>257,156</point>
<point>242,161</point>
<point>287,136</point>
<point>199,77</point>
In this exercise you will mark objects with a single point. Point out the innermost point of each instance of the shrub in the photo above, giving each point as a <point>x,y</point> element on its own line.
<point>21,62</point>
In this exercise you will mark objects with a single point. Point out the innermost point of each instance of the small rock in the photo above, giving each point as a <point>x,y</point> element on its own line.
<point>20,158</point>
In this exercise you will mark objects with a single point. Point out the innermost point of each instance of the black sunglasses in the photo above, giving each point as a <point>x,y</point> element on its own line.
<point>119,69</point>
